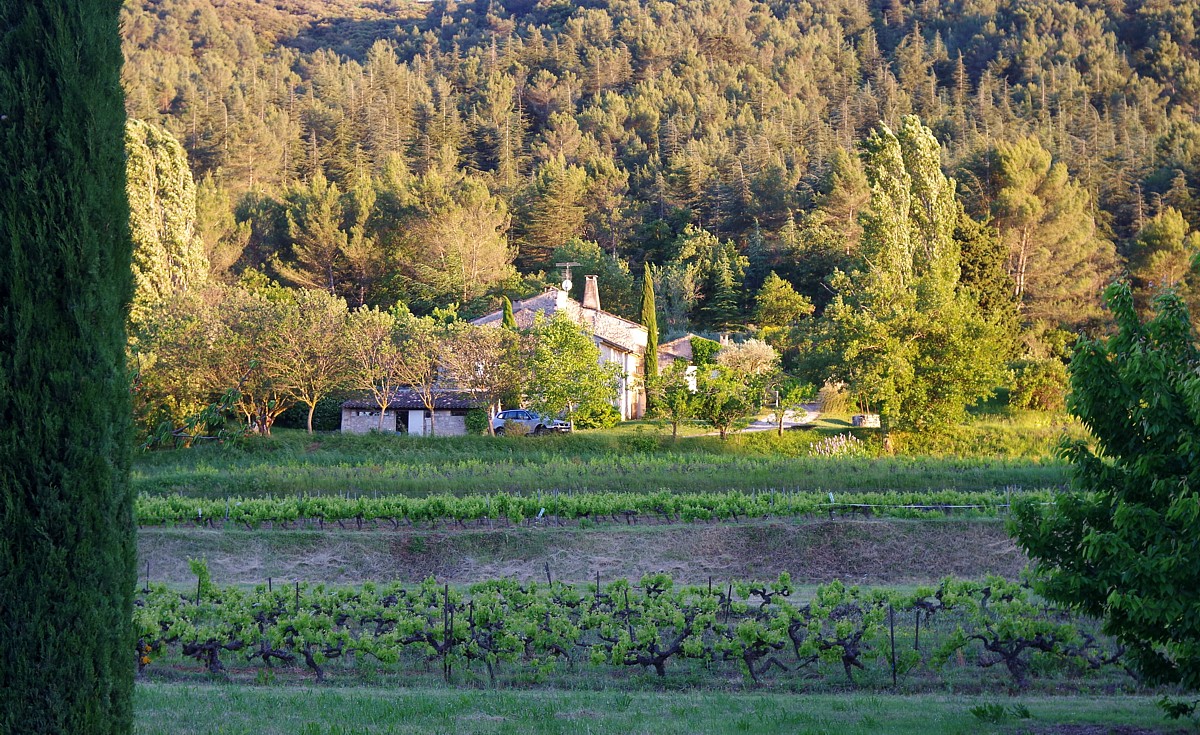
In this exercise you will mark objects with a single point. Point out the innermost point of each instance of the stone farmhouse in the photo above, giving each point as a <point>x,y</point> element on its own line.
<point>621,342</point>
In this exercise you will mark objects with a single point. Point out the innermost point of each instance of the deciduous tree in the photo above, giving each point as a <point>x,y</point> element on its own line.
<point>900,332</point>
<point>373,355</point>
<point>168,256</point>
<point>1122,545</point>
<point>308,357</point>
<point>564,370</point>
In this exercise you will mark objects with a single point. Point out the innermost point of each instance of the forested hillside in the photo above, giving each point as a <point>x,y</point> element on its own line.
<point>432,154</point>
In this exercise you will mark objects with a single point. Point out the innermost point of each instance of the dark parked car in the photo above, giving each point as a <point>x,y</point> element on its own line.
<point>534,423</point>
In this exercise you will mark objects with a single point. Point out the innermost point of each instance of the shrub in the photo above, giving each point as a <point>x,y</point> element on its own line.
<point>596,417</point>
<point>515,428</point>
<point>477,421</point>
<point>1040,385</point>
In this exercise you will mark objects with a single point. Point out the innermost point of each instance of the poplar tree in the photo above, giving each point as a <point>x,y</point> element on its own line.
<point>900,332</point>
<point>67,554</point>
<point>168,256</point>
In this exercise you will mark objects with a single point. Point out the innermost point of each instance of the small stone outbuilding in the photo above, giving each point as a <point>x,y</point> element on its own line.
<point>406,413</point>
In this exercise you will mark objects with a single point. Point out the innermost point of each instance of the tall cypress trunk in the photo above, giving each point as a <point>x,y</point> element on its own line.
<point>67,551</point>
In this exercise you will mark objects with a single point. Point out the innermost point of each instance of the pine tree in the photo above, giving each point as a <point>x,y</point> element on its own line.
<point>1057,259</point>
<point>720,309</point>
<point>67,554</point>
<point>649,320</point>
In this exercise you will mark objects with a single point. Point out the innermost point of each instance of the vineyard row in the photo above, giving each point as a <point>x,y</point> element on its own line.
<point>514,509</point>
<point>533,629</point>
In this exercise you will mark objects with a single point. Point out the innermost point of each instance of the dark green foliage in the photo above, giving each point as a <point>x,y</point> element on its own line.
<point>1125,546</point>
<point>67,551</point>
<point>982,272</point>
<point>327,416</point>
<point>614,282</point>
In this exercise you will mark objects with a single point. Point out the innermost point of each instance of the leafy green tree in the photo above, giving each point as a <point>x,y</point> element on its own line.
<point>900,332</point>
<point>778,305</point>
<point>724,398</point>
<point>373,355</point>
<point>1121,546</point>
<point>68,551</point>
<point>421,351</point>
<point>673,394</point>
<point>168,256</point>
<point>308,358</point>
<point>565,373</point>
<point>1057,259</point>
<point>791,395</point>
<point>484,361</point>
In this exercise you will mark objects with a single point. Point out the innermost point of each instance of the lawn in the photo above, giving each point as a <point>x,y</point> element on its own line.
<point>236,710</point>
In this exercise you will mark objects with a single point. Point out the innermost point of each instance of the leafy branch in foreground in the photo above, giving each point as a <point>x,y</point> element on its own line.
<point>1125,548</point>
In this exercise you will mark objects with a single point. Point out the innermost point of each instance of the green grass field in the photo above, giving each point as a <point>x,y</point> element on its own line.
<point>988,453</point>
<point>190,710</point>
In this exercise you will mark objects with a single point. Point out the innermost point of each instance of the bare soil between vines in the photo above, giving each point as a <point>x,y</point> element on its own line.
<point>858,551</point>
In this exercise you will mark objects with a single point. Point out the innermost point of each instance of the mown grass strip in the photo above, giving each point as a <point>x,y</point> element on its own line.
<point>231,709</point>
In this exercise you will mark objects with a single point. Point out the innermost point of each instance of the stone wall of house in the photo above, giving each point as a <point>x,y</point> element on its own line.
<point>447,424</point>
<point>363,420</point>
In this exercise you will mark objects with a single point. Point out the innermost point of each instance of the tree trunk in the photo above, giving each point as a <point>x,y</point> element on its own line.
<point>312,407</point>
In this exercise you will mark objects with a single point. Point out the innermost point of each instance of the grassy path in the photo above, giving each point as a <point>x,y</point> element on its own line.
<point>238,710</point>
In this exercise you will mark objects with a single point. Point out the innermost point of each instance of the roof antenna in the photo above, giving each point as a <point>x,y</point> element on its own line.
<point>566,284</point>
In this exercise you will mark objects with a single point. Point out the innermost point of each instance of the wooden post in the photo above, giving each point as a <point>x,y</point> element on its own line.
<point>892,627</point>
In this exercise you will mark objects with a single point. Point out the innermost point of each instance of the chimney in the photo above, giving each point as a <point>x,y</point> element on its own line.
<point>591,296</point>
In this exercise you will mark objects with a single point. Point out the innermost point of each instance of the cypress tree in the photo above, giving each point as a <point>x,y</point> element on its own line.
<point>649,320</point>
<point>507,320</point>
<point>67,552</point>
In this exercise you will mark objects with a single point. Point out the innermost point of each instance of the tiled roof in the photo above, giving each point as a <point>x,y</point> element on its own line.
<point>621,333</point>
<point>407,398</point>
